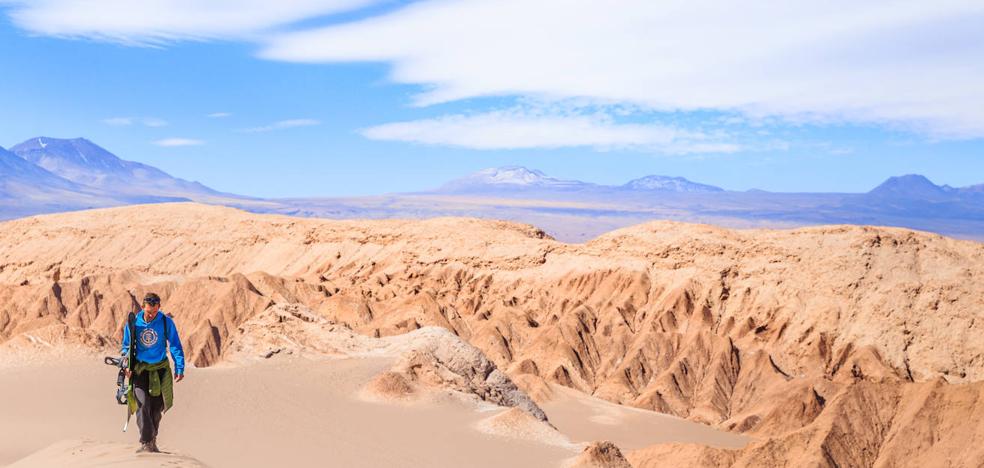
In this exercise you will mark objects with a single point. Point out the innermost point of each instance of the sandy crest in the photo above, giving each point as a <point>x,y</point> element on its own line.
<point>283,411</point>
<point>90,453</point>
<point>585,418</point>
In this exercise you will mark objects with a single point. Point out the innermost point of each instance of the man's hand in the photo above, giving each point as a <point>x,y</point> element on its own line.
<point>128,373</point>
<point>179,377</point>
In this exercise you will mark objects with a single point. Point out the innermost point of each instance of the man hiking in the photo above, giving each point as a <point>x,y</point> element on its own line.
<point>151,390</point>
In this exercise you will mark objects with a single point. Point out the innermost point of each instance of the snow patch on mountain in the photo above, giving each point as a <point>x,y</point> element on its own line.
<point>509,177</point>
<point>669,184</point>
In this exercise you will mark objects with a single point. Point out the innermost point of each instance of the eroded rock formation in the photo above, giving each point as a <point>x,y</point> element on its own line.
<point>842,345</point>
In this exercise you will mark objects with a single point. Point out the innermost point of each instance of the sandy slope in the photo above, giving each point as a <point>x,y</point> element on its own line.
<point>273,413</point>
<point>89,453</point>
<point>298,389</point>
<point>282,411</point>
<point>835,345</point>
<point>587,419</point>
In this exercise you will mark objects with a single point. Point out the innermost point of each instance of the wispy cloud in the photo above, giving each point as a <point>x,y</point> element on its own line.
<point>118,121</point>
<point>906,63</point>
<point>153,122</point>
<point>521,128</point>
<point>158,22</point>
<point>282,125</point>
<point>171,142</point>
<point>218,115</point>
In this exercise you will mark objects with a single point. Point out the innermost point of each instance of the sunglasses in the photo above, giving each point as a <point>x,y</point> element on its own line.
<point>153,303</point>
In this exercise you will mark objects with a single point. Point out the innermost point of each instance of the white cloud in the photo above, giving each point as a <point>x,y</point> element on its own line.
<point>150,22</point>
<point>283,124</point>
<point>118,121</point>
<point>907,63</point>
<point>171,142</point>
<point>218,115</point>
<point>153,122</point>
<point>520,128</point>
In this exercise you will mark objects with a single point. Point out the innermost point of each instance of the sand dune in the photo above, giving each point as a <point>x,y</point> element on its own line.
<point>88,453</point>
<point>304,405</point>
<point>586,419</point>
<point>831,345</point>
<point>284,411</point>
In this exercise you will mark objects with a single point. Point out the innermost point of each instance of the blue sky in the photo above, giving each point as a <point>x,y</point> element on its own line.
<point>355,97</point>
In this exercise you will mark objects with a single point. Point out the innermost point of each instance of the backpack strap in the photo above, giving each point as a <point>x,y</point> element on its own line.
<point>164,318</point>
<point>131,323</point>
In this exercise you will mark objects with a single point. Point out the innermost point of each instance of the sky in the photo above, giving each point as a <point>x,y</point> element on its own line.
<point>301,98</point>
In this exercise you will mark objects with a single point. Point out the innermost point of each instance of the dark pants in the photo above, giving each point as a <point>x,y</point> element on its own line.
<point>149,408</point>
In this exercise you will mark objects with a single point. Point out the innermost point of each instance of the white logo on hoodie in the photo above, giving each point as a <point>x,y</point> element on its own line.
<point>148,337</point>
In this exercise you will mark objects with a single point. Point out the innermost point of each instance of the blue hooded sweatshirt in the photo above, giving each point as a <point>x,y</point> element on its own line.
<point>151,347</point>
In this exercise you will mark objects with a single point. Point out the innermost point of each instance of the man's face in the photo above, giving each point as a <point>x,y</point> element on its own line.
<point>151,308</point>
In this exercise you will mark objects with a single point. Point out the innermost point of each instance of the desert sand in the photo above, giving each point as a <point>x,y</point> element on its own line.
<point>279,412</point>
<point>822,346</point>
<point>286,410</point>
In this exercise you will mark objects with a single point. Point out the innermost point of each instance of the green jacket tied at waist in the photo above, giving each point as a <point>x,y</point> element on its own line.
<point>157,386</point>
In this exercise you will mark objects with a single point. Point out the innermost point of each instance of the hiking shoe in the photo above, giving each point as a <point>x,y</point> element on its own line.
<point>148,447</point>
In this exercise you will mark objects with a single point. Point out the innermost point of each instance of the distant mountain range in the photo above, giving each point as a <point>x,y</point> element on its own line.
<point>85,163</point>
<point>510,178</point>
<point>669,184</point>
<point>914,186</point>
<point>27,189</point>
<point>19,177</point>
<point>45,175</point>
<point>518,178</point>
